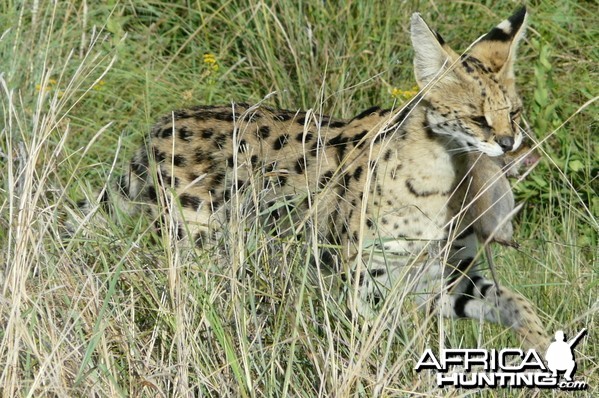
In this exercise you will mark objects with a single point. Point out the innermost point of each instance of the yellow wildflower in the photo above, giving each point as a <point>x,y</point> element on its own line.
<point>49,86</point>
<point>99,86</point>
<point>404,94</point>
<point>210,62</point>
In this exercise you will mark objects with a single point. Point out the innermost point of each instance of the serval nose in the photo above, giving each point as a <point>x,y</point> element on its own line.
<point>506,142</point>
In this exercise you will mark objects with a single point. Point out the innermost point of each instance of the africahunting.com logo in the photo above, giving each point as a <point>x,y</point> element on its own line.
<point>509,367</point>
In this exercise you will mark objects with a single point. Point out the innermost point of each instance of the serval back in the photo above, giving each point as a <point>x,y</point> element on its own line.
<point>384,186</point>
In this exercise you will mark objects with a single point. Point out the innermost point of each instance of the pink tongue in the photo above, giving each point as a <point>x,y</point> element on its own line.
<point>531,159</point>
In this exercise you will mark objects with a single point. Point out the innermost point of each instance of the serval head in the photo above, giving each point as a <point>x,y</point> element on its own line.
<point>471,99</point>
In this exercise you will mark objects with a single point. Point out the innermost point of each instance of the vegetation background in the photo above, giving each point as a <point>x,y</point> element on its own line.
<point>118,311</point>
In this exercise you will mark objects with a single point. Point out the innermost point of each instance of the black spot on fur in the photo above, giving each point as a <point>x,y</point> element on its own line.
<point>166,178</point>
<point>179,161</point>
<point>227,195</point>
<point>185,134</point>
<point>218,179</point>
<point>387,155</point>
<point>367,112</point>
<point>281,142</point>
<point>123,186</point>
<point>220,141</point>
<point>485,289</point>
<point>138,169</point>
<point>190,201</point>
<point>468,294</point>
<point>324,180</point>
<point>377,272</point>
<point>337,124</point>
<point>341,151</point>
<point>251,117</point>
<point>200,239</point>
<point>283,117</point>
<point>358,137</point>
<point>151,192</point>
<point>166,132</point>
<point>326,257</point>
<point>216,203</point>
<point>105,198</point>
<point>263,132</point>
<point>300,165</point>
<point>384,112</point>
<point>415,192</point>
<point>158,155</point>
<point>337,140</point>
<point>315,147</point>
<point>467,66</point>
<point>201,156</point>
<point>282,180</point>
<point>372,166</point>
<point>207,133</point>
<point>340,144</point>
<point>192,177</point>
<point>375,298</point>
<point>300,137</point>
<point>358,172</point>
<point>381,136</point>
<point>430,134</point>
<point>344,185</point>
<point>269,167</point>
<point>81,203</point>
<point>225,116</point>
<point>467,232</point>
<point>344,229</point>
<point>460,269</point>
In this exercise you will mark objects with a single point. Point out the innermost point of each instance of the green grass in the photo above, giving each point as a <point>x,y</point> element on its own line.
<point>120,311</point>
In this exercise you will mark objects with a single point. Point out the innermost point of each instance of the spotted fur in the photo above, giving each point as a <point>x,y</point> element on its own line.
<point>386,187</point>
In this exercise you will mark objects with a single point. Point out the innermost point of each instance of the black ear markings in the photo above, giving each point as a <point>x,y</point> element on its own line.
<point>505,33</point>
<point>496,34</point>
<point>517,19</point>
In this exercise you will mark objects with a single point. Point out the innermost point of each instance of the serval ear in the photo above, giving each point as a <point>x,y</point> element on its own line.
<point>497,49</point>
<point>432,56</point>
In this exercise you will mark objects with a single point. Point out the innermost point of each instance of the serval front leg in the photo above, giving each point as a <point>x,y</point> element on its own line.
<point>454,291</point>
<point>473,296</point>
<point>461,291</point>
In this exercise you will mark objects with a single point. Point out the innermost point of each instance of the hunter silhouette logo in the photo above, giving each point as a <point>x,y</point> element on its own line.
<point>560,356</point>
<point>508,367</point>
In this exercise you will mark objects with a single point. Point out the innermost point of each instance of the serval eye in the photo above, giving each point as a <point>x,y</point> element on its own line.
<point>481,121</point>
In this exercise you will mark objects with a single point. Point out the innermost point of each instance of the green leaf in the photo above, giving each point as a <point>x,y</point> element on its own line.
<point>575,165</point>
<point>539,181</point>
<point>546,64</point>
<point>541,96</point>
